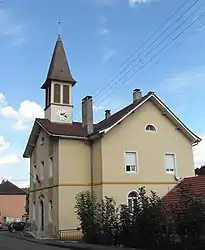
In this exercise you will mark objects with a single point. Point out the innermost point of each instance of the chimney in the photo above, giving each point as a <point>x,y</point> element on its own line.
<point>107,113</point>
<point>87,114</point>
<point>137,95</point>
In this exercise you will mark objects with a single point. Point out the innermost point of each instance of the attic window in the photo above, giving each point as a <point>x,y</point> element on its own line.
<point>150,128</point>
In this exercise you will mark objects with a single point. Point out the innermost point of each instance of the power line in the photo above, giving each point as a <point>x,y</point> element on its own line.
<point>149,38</point>
<point>189,8</point>
<point>177,36</point>
<point>190,16</point>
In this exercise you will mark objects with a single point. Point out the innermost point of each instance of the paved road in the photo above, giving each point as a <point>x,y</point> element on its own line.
<point>10,243</point>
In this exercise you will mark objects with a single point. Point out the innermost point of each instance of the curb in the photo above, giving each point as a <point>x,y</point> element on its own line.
<point>68,245</point>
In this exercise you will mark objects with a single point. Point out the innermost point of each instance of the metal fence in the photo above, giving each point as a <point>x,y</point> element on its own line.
<point>70,235</point>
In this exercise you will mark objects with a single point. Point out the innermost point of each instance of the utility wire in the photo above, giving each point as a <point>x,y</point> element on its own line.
<point>184,21</point>
<point>190,7</point>
<point>177,36</point>
<point>149,38</point>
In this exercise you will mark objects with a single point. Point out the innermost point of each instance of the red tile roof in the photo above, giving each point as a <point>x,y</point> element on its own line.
<point>197,187</point>
<point>76,129</point>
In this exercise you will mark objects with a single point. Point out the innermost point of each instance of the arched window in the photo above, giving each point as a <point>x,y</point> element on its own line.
<point>41,214</point>
<point>132,199</point>
<point>34,210</point>
<point>57,93</point>
<point>150,128</point>
<point>50,210</point>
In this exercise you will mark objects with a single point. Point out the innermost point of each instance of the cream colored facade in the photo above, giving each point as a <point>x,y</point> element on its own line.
<point>81,163</point>
<point>72,165</point>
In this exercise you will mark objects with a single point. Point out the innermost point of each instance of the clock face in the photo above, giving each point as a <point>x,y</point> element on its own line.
<point>61,114</point>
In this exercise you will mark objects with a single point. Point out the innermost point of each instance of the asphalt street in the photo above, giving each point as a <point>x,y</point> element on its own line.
<point>10,243</point>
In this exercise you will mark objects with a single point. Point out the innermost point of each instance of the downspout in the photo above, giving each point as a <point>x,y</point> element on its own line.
<point>91,169</point>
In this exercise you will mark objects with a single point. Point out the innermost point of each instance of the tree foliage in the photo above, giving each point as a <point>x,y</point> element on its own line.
<point>147,225</point>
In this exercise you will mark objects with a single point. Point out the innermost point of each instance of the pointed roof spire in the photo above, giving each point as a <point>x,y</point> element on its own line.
<point>59,69</point>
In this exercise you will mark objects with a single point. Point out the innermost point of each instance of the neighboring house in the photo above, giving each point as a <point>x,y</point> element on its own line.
<point>144,144</point>
<point>195,184</point>
<point>12,202</point>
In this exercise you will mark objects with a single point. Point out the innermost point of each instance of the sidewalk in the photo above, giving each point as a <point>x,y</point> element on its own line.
<point>70,245</point>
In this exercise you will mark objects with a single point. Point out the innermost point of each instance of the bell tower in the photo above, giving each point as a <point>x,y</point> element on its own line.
<point>58,87</point>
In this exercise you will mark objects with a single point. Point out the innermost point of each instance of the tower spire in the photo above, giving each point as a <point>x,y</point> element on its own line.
<point>59,69</point>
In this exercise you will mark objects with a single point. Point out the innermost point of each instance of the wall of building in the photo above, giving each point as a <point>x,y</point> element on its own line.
<point>12,206</point>
<point>47,188</point>
<point>130,135</point>
<point>74,177</point>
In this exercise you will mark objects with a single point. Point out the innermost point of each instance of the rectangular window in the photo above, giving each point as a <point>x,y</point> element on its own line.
<point>42,140</point>
<point>50,166</point>
<point>66,94</point>
<point>34,173</point>
<point>170,162</point>
<point>131,162</point>
<point>41,173</point>
<point>57,93</point>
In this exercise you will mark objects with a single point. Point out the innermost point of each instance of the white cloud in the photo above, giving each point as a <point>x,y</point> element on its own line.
<point>133,2</point>
<point>3,144</point>
<point>199,153</point>
<point>24,116</point>
<point>11,29</point>
<point>98,108</point>
<point>103,31</point>
<point>108,55</point>
<point>2,99</point>
<point>9,159</point>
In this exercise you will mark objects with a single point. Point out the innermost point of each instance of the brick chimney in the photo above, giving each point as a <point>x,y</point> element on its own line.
<point>87,114</point>
<point>137,95</point>
<point>107,113</point>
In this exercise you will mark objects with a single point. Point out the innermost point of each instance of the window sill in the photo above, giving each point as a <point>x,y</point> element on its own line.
<point>173,173</point>
<point>131,172</point>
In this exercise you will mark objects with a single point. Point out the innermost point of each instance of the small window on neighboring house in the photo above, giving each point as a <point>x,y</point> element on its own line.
<point>57,93</point>
<point>150,128</point>
<point>132,199</point>
<point>51,166</point>
<point>42,140</point>
<point>170,162</point>
<point>50,210</point>
<point>66,94</point>
<point>41,170</point>
<point>131,162</point>
<point>34,210</point>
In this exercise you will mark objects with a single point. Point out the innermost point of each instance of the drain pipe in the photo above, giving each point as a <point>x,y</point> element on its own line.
<point>91,169</point>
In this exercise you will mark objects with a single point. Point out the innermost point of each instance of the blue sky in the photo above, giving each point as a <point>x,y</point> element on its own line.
<point>98,35</point>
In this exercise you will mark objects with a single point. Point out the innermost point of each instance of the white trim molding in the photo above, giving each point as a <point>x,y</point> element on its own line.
<point>165,109</point>
<point>150,131</point>
<point>137,161</point>
<point>175,163</point>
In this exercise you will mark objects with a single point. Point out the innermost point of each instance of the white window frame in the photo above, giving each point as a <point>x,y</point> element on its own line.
<point>50,166</point>
<point>135,191</point>
<point>150,131</point>
<point>175,163</point>
<point>137,163</point>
